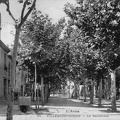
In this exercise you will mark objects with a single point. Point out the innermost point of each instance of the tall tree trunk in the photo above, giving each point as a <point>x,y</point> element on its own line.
<point>69,90</point>
<point>108,87</point>
<point>38,97</point>
<point>113,91</point>
<point>49,93</point>
<point>13,69</point>
<point>46,92</point>
<point>92,92</point>
<point>100,93</point>
<point>75,90</point>
<point>49,90</point>
<point>85,97</point>
<point>35,80</point>
<point>42,90</point>
<point>105,88</point>
<point>35,86</point>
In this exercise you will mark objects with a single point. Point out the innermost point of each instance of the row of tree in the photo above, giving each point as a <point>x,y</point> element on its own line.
<point>41,51</point>
<point>95,41</point>
<point>84,47</point>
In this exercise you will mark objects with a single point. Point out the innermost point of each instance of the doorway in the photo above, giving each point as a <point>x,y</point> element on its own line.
<point>5,89</point>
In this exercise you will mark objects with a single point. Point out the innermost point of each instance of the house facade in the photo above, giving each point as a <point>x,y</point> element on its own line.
<point>21,77</point>
<point>5,65</point>
<point>5,73</point>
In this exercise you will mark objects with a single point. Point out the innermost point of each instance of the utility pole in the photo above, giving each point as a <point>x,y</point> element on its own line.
<point>38,95</point>
<point>35,80</point>
<point>35,85</point>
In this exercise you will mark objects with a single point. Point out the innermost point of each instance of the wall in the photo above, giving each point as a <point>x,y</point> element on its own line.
<point>1,73</point>
<point>4,73</point>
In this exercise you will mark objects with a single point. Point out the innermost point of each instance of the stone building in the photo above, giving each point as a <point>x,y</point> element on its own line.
<point>5,65</point>
<point>5,73</point>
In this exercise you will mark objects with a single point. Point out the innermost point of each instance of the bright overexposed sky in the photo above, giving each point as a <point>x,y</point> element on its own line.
<point>54,8</point>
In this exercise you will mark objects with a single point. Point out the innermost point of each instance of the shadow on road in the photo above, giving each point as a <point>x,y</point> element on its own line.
<point>66,102</point>
<point>110,111</point>
<point>59,104</point>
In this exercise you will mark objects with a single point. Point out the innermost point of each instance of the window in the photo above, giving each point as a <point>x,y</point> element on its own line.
<point>5,67</point>
<point>9,69</point>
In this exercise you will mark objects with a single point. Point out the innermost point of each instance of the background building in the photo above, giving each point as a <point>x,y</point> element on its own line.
<point>5,65</point>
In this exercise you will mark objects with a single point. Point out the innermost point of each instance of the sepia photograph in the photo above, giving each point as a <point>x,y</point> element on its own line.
<point>59,59</point>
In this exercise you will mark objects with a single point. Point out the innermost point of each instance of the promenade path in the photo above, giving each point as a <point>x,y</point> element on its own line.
<point>61,107</point>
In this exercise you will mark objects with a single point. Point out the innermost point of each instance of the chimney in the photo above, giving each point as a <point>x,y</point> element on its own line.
<point>0,26</point>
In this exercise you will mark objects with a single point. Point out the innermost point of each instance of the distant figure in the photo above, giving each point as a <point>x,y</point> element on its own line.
<point>53,92</point>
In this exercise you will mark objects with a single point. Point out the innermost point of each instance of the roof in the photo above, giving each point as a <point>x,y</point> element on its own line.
<point>2,45</point>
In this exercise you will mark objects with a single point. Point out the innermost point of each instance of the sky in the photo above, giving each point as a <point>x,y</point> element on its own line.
<point>54,8</point>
